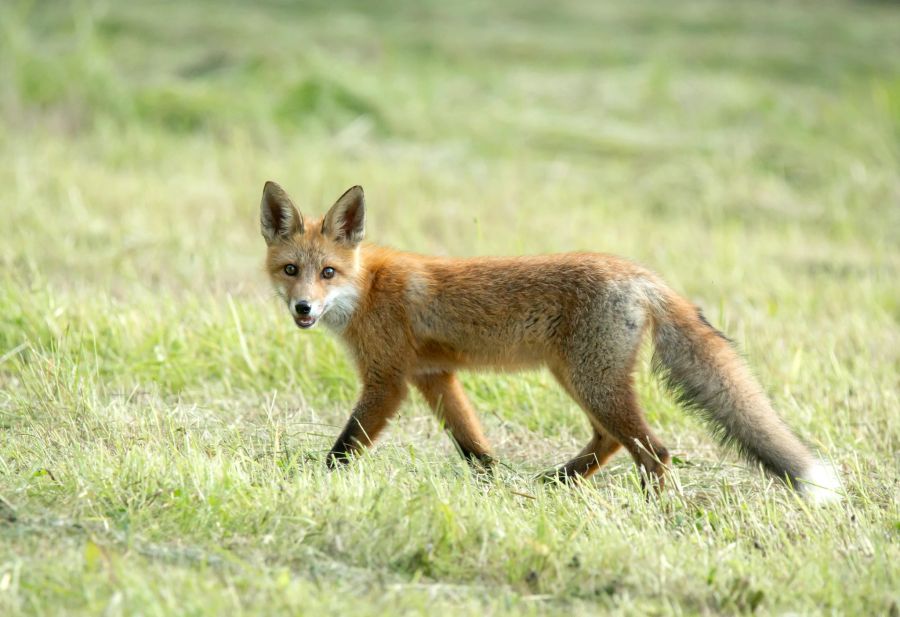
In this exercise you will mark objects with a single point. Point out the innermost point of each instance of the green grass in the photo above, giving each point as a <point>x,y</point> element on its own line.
<point>163,425</point>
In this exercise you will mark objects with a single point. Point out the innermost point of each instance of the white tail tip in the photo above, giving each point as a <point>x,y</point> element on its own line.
<point>821,484</point>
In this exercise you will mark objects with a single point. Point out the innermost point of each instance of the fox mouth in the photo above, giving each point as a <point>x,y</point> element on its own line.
<point>304,322</point>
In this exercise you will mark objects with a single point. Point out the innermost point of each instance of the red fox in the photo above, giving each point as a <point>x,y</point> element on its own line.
<point>412,319</point>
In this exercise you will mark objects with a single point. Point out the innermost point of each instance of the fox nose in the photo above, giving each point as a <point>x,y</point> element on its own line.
<point>303,307</point>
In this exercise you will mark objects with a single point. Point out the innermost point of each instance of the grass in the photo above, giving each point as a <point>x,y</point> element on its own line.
<point>163,424</point>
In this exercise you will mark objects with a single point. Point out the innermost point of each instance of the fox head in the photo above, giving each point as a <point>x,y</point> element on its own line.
<point>314,264</point>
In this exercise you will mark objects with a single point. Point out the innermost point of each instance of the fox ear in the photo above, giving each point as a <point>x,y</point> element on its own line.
<point>278,217</point>
<point>346,220</point>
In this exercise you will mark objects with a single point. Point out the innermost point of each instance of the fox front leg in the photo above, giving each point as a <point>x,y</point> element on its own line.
<point>448,402</point>
<point>377,404</point>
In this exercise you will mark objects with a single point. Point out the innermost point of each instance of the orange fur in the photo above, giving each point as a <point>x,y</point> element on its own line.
<point>412,319</point>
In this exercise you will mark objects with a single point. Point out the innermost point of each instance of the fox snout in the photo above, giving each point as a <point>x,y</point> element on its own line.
<point>305,313</point>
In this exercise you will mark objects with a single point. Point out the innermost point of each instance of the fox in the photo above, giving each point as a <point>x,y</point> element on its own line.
<point>416,320</point>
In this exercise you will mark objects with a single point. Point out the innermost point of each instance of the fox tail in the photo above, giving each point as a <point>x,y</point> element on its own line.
<point>700,365</point>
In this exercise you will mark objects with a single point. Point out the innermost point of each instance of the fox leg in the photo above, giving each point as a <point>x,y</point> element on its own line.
<point>448,401</point>
<point>617,410</point>
<point>596,367</point>
<point>595,454</point>
<point>612,408</point>
<point>377,404</point>
<point>591,458</point>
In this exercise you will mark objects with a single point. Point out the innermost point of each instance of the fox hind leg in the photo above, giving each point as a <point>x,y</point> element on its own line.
<point>591,458</point>
<point>596,453</point>
<point>617,410</point>
<point>596,369</point>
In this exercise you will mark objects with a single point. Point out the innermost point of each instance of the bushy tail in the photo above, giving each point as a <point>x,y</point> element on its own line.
<point>699,363</point>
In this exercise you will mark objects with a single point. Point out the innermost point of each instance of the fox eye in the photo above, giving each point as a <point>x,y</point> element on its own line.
<point>328,273</point>
<point>290,270</point>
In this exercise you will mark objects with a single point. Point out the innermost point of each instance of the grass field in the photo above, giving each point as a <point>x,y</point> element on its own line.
<point>163,424</point>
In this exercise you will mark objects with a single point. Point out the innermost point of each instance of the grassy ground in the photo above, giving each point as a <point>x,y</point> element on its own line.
<point>163,423</point>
